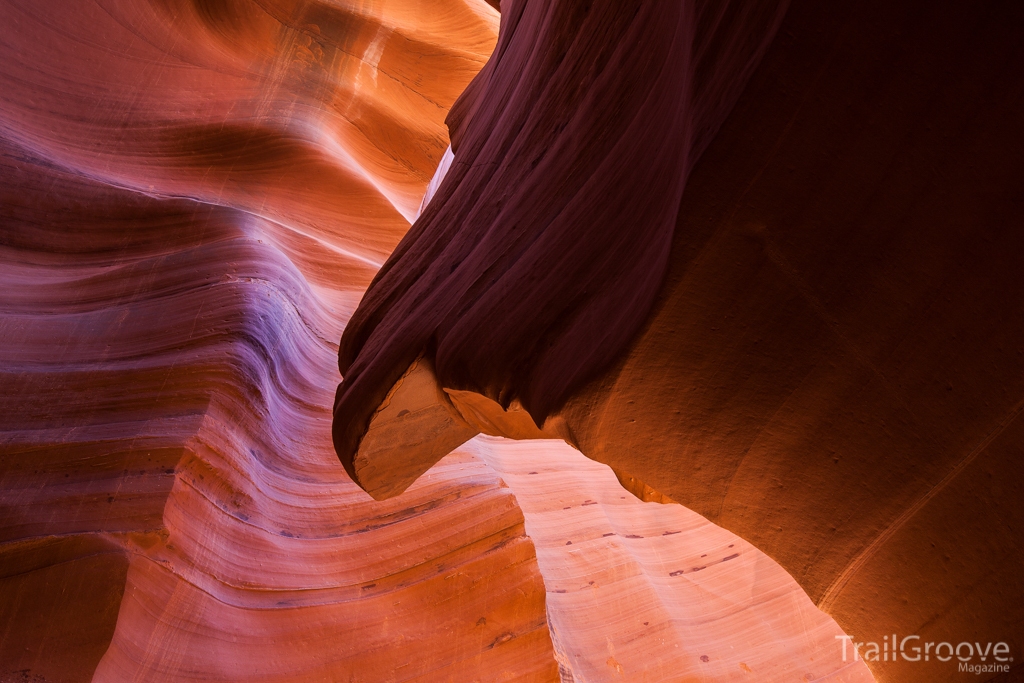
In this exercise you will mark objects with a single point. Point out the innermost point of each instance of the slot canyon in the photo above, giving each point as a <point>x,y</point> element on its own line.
<point>552,341</point>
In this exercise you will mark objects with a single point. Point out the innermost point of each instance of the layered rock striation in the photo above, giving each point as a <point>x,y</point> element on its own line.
<point>193,198</point>
<point>829,365</point>
<point>796,316</point>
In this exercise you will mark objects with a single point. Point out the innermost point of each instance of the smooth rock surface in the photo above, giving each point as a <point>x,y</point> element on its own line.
<point>649,592</point>
<point>831,367</point>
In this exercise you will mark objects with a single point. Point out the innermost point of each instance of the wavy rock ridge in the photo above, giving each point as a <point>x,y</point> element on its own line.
<point>195,196</point>
<point>171,507</point>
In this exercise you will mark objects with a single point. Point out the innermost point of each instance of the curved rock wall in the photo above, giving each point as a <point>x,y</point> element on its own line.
<point>543,250</point>
<point>166,437</point>
<point>172,508</point>
<point>194,197</point>
<point>830,368</point>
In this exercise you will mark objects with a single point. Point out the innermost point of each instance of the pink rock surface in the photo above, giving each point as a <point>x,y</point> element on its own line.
<point>649,592</point>
<point>193,199</point>
<point>172,445</point>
